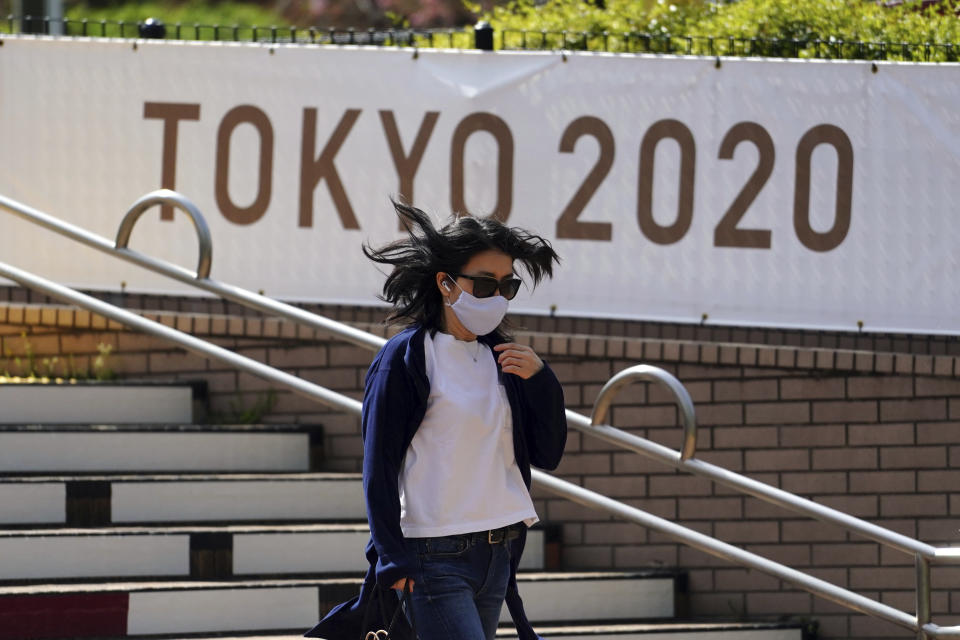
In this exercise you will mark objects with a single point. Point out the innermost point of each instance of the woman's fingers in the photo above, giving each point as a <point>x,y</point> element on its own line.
<point>403,583</point>
<point>513,347</point>
<point>518,359</point>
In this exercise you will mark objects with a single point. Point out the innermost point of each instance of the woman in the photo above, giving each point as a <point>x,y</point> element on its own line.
<point>453,416</point>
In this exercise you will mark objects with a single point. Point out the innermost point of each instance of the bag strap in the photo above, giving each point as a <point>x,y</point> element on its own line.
<point>405,603</point>
<point>368,613</point>
<point>380,594</point>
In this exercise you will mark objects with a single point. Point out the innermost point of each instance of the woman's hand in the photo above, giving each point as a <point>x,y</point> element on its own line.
<point>518,359</point>
<point>402,583</point>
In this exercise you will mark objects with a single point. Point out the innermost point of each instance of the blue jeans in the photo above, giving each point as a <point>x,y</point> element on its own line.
<point>459,588</point>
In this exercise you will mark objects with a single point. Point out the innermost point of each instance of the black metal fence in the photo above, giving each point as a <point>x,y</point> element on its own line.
<point>482,36</point>
<point>462,38</point>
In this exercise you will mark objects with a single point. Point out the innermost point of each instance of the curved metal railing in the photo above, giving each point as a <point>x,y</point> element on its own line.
<point>198,279</point>
<point>173,199</point>
<point>924,554</point>
<point>685,460</point>
<point>646,373</point>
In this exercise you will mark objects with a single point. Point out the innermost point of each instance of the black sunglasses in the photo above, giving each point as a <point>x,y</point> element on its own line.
<point>486,286</point>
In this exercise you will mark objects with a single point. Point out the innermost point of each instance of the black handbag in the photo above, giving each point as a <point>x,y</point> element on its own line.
<point>384,618</point>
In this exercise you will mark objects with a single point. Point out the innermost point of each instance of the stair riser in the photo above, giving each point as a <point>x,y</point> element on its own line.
<point>576,600</point>
<point>237,501</point>
<point>35,503</point>
<point>505,633</point>
<point>26,503</point>
<point>94,557</point>
<point>199,556</point>
<point>222,610</point>
<point>110,452</point>
<point>88,615</point>
<point>286,608</point>
<point>310,553</point>
<point>95,404</point>
<point>144,613</point>
<point>735,634</point>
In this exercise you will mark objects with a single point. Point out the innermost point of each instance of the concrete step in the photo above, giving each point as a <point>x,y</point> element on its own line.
<point>174,447</point>
<point>595,595</point>
<point>98,500</point>
<point>671,631</point>
<point>238,498</point>
<point>119,609</point>
<point>197,552</point>
<point>95,402</point>
<point>657,631</point>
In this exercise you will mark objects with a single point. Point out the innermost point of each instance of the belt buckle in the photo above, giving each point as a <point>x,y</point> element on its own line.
<point>492,533</point>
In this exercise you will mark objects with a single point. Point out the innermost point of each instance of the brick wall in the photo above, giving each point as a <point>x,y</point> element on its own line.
<point>874,433</point>
<point>704,333</point>
<point>880,446</point>
<point>75,336</point>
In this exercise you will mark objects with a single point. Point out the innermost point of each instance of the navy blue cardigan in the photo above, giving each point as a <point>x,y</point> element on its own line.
<point>394,403</point>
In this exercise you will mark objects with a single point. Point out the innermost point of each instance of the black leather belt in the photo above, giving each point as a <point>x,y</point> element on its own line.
<point>496,536</point>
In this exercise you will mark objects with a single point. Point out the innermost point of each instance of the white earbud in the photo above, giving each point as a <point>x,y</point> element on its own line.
<point>446,286</point>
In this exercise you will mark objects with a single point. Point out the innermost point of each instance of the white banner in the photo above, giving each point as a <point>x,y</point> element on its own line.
<point>752,192</point>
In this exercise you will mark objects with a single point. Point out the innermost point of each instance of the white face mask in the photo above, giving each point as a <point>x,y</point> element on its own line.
<point>480,316</point>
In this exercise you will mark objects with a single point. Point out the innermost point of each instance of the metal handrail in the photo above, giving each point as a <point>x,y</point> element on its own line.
<point>194,279</point>
<point>172,198</point>
<point>924,553</point>
<point>727,478</point>
<point>646,373</point>
<point>188,342</point>
<point>725,551</point>
<point>560,487</point>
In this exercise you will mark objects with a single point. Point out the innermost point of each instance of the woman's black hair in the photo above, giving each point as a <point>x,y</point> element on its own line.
<point>411,287</point>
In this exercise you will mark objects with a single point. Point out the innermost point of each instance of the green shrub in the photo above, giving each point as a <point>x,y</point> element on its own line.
<point>29,368</point>
<point>798,28</point>
<point>585,23</point>
<point>802,28</point>
<point>106,20</point>
<point>802,23</point>
<point>225,14</point>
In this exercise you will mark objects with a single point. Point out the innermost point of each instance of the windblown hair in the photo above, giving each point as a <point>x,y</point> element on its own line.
<point>411,286</point>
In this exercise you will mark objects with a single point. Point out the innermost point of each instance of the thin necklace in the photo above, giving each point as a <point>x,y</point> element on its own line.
<point>476,351</point>
<point>466,345</point>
